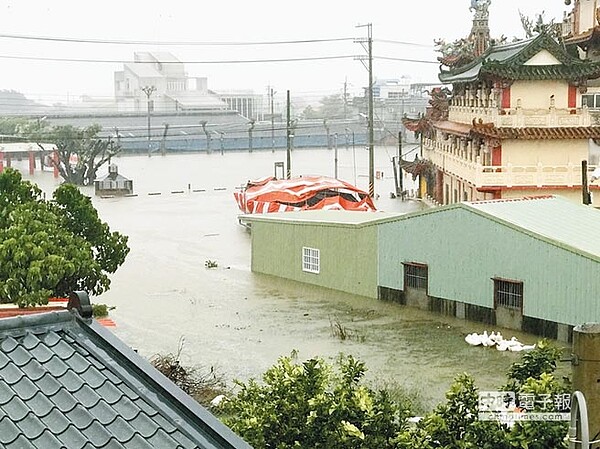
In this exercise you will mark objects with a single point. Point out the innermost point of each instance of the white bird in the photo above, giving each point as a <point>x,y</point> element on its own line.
<point>217,400</point>
<point>473,339</point>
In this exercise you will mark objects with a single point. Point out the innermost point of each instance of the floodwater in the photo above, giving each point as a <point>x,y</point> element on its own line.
<point>240,322</point>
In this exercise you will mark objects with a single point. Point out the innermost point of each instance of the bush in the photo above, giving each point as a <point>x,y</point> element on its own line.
<point>314,405</point>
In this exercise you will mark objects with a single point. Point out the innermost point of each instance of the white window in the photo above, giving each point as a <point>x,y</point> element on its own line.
<point>311,260</point>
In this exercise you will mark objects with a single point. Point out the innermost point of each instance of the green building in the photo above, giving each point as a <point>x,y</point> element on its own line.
<point>529,264</point>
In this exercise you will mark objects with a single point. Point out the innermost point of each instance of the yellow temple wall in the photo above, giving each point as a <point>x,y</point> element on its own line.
<point>549,152</point>
<point>536,94</point>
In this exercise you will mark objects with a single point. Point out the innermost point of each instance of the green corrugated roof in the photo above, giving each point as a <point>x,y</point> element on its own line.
<point>345,217</point>
<point>556,219</point>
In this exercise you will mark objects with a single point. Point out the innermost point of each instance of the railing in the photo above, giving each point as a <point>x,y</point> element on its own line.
<point>519,117</point>
<point>509,175</point>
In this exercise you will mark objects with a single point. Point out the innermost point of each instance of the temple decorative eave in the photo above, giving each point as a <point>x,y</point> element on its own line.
<point>509,62</point>
<point>488,130</point>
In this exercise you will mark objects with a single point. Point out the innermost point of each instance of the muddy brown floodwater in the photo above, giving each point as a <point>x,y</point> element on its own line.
<point>240,322</point>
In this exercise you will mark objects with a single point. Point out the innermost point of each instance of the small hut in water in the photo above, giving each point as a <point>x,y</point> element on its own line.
<point>113,183</point>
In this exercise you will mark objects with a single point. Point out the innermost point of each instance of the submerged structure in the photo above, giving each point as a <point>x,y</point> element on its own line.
<point>301,193</point>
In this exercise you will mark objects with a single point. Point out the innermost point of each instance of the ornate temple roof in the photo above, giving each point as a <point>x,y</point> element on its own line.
<point>510,62</point>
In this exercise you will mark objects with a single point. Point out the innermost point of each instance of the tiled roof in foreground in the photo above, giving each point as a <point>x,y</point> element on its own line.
<point>66,382</point>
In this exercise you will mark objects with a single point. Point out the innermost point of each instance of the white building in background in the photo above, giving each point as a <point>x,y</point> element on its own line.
<point>390,89</point>
<point>174,91</point>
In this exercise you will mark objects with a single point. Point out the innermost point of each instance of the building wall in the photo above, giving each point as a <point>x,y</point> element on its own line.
<point>549,152</point>
<point>536,94</point>
<point>348,255</point>
<point>464,251</point>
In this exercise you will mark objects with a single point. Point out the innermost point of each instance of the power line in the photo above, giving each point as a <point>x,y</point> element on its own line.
<point>414,44</point>
<point>198,43</point>
<point>120,61</point>
<point>174,43</point>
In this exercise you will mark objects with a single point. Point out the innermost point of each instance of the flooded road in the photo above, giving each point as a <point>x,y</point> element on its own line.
<point>240,322</point>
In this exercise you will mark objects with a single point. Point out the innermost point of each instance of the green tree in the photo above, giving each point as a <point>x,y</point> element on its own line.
<point>50,248</point>
<point>314,405</point>
<point>80,152</point>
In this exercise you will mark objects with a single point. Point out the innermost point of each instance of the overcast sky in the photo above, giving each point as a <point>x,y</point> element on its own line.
<point>401,30</point>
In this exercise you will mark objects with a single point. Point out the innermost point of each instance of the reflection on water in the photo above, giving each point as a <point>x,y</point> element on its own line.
<point>242,322</point>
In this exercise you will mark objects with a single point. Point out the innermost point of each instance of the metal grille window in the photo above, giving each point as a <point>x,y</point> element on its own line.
<point>508,294</point>
<point>311,260</point>
<point>415,275</point>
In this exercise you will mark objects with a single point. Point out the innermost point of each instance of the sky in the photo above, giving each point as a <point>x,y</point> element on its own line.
<point>237,45</point>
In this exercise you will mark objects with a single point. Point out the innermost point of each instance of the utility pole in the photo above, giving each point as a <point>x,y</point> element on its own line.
<point>149,90</point>
<point>289,138</point>
<point>400,180</point>
<point>369,47</point>
<point>271,93</point>
<point>585,188</point>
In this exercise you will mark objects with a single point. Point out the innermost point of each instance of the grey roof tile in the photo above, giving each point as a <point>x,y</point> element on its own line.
<point>56,366</point>
<point>63,350</point>
<point>144,425</point>
<point>64,400</point>
<point>145,407</point>
<point>77,363</point>
<point>6,393</point>
<point>21,442</point>
<point>8,430</point>
<point>16,409</point>
<point>31,426</point>
<point>97,434</point>
<point>51,338</point>
<point>121,429</point>
<point>127,408</point>
<point>109,392</point>
<point>48,384</point>
<point>103,413</point>
<point>86,396</point>
<point>25,388</point>
<point>30,341</point>
<point>140,442</point>
<point>93,377</point>
<point>8,345</point>
<point>162,439</point>
<point>34,370</point>
<point>80,417</point>
<point>71,381</point>
<point>3,360</point>
<point>42,353</point>
<point>56,421</point>
<point>69,384</point>
<point>164,424</point>
<point>39,404</point>
<point>47,441</point>
<point>72,438</point>
<point>20,356</point>
<point>11,374</point>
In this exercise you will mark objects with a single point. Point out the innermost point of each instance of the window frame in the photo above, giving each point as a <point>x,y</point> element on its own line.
<point>511,303</point>
<point>311,260</point>
<point>418,276</point>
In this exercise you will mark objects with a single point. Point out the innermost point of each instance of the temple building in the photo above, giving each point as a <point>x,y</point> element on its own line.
<point>514,122</point>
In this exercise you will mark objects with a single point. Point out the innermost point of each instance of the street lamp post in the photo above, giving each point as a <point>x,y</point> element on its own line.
<point>353,154</point>
<point>335,146</point>
<point>149,90</point>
